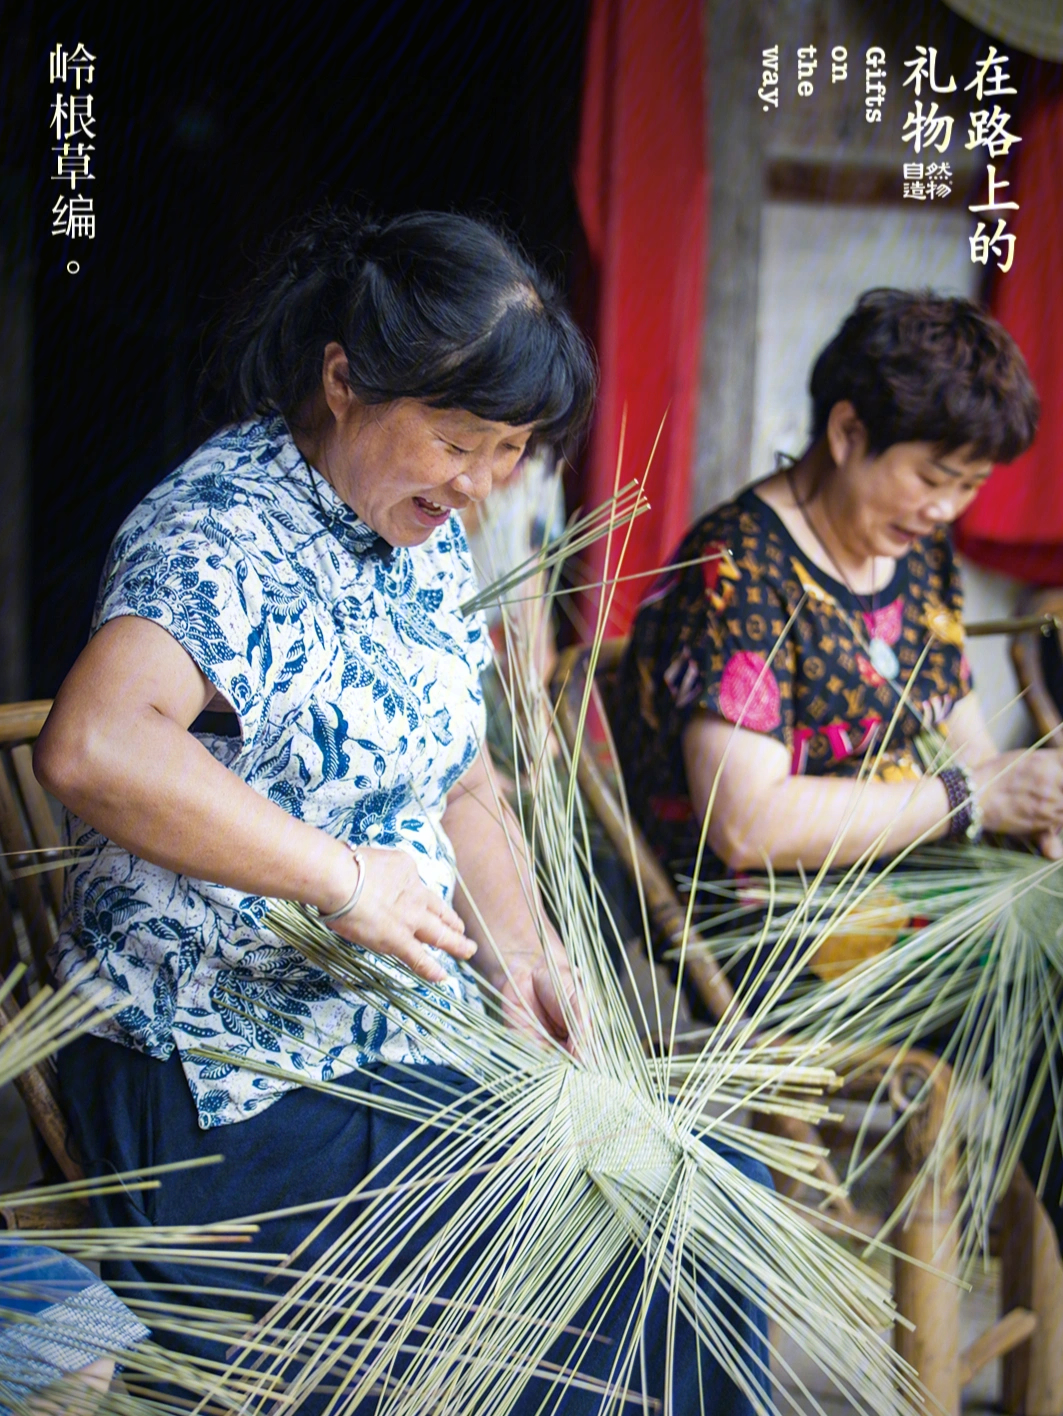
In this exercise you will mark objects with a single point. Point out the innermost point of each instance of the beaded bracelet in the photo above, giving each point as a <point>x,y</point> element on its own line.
<point>965,810</point>
<point>356,893</point>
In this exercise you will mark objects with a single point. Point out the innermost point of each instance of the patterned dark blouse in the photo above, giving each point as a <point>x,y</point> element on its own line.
<point>761,637</point>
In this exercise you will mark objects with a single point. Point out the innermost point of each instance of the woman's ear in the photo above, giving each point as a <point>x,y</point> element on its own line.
<point>335,382</point>
<point>846,434</point>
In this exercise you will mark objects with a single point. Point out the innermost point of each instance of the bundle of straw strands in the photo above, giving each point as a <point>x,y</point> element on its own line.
<point>38,1029</point>
<point>155,1381</point>
<point>561,1171</point>
<point>966,949</point>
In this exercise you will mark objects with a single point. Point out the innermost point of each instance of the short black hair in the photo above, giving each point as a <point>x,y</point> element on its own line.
<point>920,367</point>
<point>432,306</point>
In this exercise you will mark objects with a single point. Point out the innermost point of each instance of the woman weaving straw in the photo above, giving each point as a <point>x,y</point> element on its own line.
<point>281,698</point>
<point>817,629</point>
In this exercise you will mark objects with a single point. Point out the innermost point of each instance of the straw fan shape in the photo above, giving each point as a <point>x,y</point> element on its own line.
<point>559,1173</point>
<point>958,947</point>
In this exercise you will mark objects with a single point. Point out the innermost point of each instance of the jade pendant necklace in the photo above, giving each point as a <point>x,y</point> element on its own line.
<point>883,659</point>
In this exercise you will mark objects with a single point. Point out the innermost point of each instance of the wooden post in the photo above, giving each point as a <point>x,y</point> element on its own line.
<point>1032,1277</point>
<point>729,343</point>
<point>932,1303</point>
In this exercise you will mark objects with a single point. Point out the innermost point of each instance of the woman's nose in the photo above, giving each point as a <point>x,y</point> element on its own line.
<point>476,480</point>
<point>948,505</point>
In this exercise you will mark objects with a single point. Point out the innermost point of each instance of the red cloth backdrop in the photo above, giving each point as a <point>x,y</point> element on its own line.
<point>641,180</point>
<point>1016,523</point>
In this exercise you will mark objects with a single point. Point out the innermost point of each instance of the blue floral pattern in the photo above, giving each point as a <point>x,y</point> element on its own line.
<point>356,684</point>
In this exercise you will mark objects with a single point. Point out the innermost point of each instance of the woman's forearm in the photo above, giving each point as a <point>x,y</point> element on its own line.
<point>805,820</point>
<point>762,815</point>
<point>497,898</point>
<point>967,733</point>
<point>153,789</point>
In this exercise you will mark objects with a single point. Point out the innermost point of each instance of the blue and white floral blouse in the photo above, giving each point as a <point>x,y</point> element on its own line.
<point>356,683</point>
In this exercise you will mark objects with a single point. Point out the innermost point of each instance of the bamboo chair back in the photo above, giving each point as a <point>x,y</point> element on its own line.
<point>27,829</point>
<point>28,835</point>
<point>667,915</point>
<point>1038,658</point>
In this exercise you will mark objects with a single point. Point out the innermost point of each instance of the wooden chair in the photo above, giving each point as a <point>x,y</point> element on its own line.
<point>1037,652</point>
<point>26,935</point>
<point>1032,1273</point>
<point>928,1300</point>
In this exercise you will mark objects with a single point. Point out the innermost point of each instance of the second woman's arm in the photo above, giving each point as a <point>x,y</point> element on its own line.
<point>762,815</point>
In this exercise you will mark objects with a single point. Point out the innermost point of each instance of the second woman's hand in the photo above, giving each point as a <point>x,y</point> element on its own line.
<point>1021,794</point>
<point>398,915</point>
<point>1049,844</point>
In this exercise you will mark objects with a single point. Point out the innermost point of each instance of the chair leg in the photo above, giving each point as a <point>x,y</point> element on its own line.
<point>1032,1277</point>
<point>932,1303</point>
<point>927,1235</point>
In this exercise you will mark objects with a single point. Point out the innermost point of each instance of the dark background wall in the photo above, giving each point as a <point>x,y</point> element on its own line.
<point>215,124</point>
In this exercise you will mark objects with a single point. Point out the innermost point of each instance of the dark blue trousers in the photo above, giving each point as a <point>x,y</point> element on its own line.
<point>128,1111</point>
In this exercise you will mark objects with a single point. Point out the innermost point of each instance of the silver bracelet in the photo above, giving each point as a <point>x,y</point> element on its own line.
<point>356,893</point>
<point>973,834</point>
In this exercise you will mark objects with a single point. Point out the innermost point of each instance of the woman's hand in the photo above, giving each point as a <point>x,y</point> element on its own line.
<point>503,911</point>
<point>1021,794</point>
<point>1049,844</point>
<point>532,1001</point>
<point>397,914</point>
